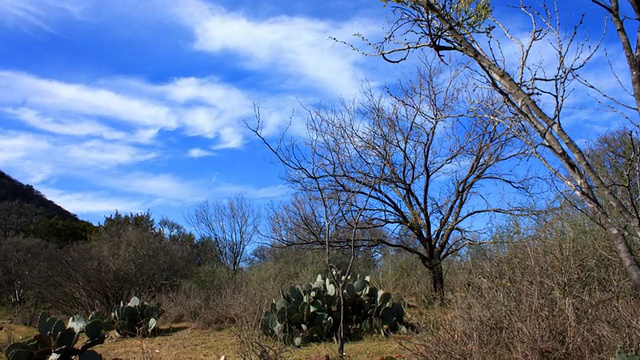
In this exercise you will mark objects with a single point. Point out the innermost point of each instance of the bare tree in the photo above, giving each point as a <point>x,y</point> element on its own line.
<point>535,92</point>
<point>230,227</point>
<point>24,267</point>
<point>300,222</point>
<point>420,154</point>
<point>631,52</point>
<point>616,157</point>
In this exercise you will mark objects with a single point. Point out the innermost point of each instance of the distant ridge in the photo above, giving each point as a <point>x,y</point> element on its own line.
<point>12,190</point>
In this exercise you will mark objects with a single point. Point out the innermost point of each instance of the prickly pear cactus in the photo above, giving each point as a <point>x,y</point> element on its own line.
<point>136,318</point>
<point>623,355</point>
<point>311,313</point>
<point>57,341</point>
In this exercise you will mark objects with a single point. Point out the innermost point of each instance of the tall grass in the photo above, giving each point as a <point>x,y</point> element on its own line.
<point>557,292</point>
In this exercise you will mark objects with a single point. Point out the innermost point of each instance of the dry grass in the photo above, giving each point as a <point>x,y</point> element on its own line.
<point>177,342</point>
<point>561,296</point>
<point>187,342</point>
<point>10,333</point>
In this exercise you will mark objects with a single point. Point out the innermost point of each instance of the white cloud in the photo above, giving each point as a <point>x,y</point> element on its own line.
<point>106,202</point>
<point>230,138</point>
<point>14,146</point>
<point>225,191</point>
<point>298,48</point>
<point>92,202</point>
<point>195,107</point>
<point>113,133</point>
<point>205,90</point>
<point>30,153</point>
<point>163,187</point>
<point>101,154</point>
<point>199,153</point>
<point>64,126</point>
<point>52,95</point>
<point>38,14</point>
<point>211,123</point>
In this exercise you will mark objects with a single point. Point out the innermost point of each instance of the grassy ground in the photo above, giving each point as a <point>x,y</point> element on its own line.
<point>183,341</point>
<point>10,333</point>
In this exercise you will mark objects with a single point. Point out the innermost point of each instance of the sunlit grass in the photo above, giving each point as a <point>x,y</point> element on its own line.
<point>11,333</point>
<point>184,341</point>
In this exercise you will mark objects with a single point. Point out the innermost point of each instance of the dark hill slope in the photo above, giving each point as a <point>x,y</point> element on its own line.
<point>27,212</point>
<point>12,190</point>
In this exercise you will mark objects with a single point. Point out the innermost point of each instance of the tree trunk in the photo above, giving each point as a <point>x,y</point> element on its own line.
<point>620,239</point>
<point>625,253</point>
<point>557,140</point>
<point>437,278</point>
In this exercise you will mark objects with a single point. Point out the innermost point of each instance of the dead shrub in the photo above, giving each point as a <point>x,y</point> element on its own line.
<point>202,299</point>
<point>98,274</point>
<point>252,344</point>
<point>407,279</point>
<point>559,292</point>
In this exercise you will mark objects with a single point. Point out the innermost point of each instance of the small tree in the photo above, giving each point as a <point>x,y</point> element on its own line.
<point>229,228</point>
<point>175,233</point>
<point>615,155</point>
<point>24,267</point>
<point>419,155</point>
<point>299,223</point>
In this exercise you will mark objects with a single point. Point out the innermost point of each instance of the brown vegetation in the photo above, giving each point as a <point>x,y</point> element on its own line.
<point>556,293</point>
<point>548,286</point>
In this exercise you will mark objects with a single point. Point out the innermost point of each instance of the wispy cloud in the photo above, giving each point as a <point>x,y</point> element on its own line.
<point>99,132</point>
<point>199,153</point>
<point>162,187</point>
<point>297,48</point>
<point>121,133</point>
<point>16,146</point>
<point>98,202</point>
<point>24,150</point>
<point>37,14</point>
<point>83,100</point>
<point>195,107</point>
<point>225,191</point>
<point>64,126</point>
<point>142,191</point>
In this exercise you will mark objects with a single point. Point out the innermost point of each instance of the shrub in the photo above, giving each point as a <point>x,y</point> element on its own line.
<point>114,266</point>
<point>25,265</point>
<point>57,341</point>
<point>137,318</point>
<point>312,312</point>
<point>557,291</point>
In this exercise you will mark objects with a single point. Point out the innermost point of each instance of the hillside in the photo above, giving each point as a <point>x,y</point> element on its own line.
<point>13,190</point>
<point>24,211</point>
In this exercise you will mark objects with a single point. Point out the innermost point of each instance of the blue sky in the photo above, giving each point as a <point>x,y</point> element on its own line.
<point>140,105</point>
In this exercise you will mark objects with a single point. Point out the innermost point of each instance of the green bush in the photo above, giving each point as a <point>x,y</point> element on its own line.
<point>137,318</point>
<point>311,312</point>
<point>57,341</point>
<point>623,355</point>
